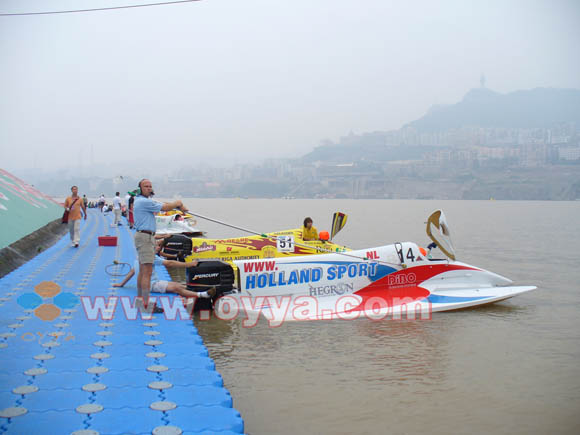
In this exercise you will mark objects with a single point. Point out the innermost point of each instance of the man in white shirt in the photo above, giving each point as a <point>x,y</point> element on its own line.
<point>117,208</point>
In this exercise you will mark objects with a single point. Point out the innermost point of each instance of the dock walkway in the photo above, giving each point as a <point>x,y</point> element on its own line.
<point>64,371</point>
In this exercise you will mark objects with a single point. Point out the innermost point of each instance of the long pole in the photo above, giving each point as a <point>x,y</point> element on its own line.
<point>302,245</point>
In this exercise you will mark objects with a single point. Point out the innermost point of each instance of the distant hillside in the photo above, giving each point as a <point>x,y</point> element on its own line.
<point>534,108</point>
<point>482,107</point>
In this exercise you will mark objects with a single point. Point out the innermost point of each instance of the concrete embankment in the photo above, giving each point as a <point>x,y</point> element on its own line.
<point>21,251</point>
<point>29,222</point>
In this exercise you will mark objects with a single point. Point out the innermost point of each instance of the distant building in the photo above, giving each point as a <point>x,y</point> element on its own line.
<point>569,153</point>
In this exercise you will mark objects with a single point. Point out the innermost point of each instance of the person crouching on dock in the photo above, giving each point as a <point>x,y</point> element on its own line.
<point>160,286</point>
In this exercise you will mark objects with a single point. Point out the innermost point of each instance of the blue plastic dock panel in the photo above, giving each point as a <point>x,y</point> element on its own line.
<point>77,357</point>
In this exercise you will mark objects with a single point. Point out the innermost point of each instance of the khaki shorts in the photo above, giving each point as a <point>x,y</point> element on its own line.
<point>159,286</point>
<point>145,246</point>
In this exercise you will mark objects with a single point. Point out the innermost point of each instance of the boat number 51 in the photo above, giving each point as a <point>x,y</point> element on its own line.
<point>285,243</point>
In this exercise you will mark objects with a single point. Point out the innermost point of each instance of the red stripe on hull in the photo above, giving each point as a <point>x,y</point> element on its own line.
<point>401,287</point>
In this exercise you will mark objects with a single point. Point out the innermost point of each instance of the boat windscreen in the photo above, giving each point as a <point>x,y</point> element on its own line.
<point>338,223</point>
<point>438,231</point>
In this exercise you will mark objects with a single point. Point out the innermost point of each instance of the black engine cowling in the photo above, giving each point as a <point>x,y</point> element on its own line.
<point>208,274</point>
<point>178,245</point>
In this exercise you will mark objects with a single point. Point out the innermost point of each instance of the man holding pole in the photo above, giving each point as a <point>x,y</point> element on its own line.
<point>144,209</point>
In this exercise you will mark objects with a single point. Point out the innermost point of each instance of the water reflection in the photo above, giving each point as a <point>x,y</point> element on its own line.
<point>387,351</point>
<point>404,351</point>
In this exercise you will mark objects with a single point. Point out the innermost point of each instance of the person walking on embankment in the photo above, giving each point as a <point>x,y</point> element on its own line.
<point>74,204</point>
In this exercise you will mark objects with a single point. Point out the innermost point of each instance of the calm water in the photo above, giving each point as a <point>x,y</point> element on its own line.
<point>508,368</point>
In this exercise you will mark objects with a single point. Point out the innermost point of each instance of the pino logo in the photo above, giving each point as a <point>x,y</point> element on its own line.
<point>204,247</point>
<point>402,279</point>
<point>47,301</point>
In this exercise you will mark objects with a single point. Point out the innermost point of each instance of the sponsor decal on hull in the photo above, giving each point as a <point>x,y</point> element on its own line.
<point>265,274</point>
<point>204,247</point>
<point>339,289</point>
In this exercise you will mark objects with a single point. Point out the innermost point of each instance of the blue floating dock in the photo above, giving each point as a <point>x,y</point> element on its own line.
<point>68,367</point>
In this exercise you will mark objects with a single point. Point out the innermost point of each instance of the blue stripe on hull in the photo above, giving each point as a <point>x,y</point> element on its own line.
<point>439,299</point>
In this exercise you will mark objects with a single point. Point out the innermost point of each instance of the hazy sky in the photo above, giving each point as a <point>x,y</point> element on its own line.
<point>222,81</point>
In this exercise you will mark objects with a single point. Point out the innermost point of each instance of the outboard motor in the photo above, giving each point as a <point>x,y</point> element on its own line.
<point>178,245</point>
<point>208,274</point>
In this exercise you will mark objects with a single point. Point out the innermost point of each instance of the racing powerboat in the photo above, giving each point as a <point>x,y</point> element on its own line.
<point>177,222</point>
<point>397,280</point>
<point>286,243</point>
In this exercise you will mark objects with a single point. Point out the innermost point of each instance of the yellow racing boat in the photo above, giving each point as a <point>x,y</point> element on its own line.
<point>277,244</point>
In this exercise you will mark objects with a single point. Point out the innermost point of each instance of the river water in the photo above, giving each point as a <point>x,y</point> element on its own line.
<point>507,368</point>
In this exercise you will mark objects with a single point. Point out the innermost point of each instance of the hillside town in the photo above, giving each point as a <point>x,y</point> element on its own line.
<point>473,163</point>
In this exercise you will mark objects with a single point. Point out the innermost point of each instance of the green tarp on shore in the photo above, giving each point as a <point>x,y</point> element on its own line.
<point>23,209</point>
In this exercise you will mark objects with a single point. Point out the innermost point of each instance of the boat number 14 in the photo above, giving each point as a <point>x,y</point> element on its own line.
<point>285,243</point>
